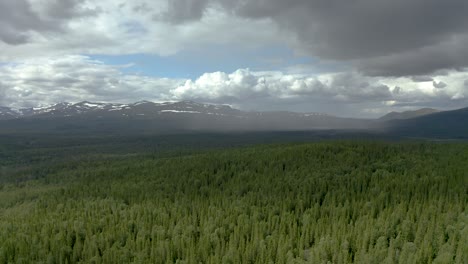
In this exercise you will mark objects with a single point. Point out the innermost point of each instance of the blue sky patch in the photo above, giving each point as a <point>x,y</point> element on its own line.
<point>193,63</point>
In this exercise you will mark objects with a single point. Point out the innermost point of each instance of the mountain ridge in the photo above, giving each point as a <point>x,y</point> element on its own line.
<point>408,114</point>
<point>451,124</point>
<point>166,117</point>
<point>84,107</point>
<point>187,116</point>
<point>87,107</point>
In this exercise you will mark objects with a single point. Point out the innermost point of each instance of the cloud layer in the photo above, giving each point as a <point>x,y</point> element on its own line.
<point>72,79</point>
<point>52,28</point>
<point>21,20</point>
<point>377,37</point>
<point>390,38</point>
<point>77,78</point>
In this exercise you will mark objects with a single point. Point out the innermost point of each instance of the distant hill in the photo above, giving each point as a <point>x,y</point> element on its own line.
<point>408,114</point>
<point>448,124</point>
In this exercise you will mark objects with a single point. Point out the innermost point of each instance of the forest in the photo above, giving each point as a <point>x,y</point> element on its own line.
<point>338,201</point>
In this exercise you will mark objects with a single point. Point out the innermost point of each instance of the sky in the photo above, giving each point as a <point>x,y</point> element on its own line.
<point>354,58</point>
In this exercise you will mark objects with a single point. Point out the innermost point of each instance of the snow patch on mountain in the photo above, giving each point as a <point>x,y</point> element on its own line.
<point>144,109</point>
<point>179,111</point>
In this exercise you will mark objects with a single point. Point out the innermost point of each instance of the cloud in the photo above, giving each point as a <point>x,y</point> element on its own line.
<point>240,84</point>
<point>390,38</point>
<point>67,9</point>
<point>381,38</point>
<point>378,38</point>
<point>439,85</point>
<point>54,28</point>
<point>351,86</point>
<point>16,20</point>
<point>78,78</point>
<point>183,11</point>
<point>75,78</point>
<point>244,85</point>
<point>396,90</point>
<point>458,96</point>
<point>344,94</point>
<point>451,54</point>
<point>422,78</point>
<point>21,20</point>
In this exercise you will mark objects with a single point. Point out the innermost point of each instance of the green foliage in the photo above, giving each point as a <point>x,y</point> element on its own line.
<point>333,202</point>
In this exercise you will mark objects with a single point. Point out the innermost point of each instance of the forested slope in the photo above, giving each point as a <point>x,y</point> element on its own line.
<point>311,203</point>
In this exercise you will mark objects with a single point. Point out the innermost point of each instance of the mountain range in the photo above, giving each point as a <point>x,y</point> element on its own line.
<point>173,117</point>
<point>100,110</point>
<point>139,109</point>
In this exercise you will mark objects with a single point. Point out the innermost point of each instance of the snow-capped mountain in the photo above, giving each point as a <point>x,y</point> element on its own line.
<point>138,109</point>
<point>87,118</point>
<point>8,113</point>
<point>150,117</point>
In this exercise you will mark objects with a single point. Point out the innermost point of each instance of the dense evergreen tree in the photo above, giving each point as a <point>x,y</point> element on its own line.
<point>333,202</point>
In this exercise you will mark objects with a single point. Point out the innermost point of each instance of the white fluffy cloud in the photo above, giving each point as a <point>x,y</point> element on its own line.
<point>347,88</point>
<point>77,78</point>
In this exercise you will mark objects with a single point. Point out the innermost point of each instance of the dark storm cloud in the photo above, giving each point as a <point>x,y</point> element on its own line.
<point>451,54</point>
<point>18,18</point>
<point>184,10</point>
<point>391,38</point>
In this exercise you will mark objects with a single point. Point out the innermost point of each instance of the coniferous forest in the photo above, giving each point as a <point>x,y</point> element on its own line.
<point>323,202</point>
